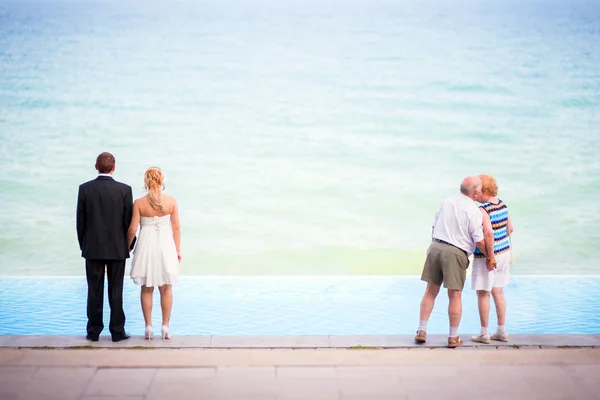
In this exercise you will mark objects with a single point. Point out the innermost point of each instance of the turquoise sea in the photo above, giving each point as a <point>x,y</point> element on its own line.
<point>303,137</point>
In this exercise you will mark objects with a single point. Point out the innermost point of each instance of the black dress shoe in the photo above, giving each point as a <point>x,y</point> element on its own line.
<point>92,338</point>
<point>124,336</point>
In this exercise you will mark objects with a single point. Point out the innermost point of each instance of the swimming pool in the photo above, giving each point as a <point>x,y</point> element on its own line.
<point>301,306</point>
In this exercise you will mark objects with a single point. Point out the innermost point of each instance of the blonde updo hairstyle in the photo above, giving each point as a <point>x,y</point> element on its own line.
<point>154,183</point>
<point>489,187</point>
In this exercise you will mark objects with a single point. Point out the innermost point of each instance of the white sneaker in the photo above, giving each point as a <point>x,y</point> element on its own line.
<point>481,339</point>
<point>502,337</point>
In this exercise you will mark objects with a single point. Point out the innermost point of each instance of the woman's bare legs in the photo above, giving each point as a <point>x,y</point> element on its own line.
<point>146,300</point>
<point>166,303</point>
<point>500,302</point>
<point>483,303</point>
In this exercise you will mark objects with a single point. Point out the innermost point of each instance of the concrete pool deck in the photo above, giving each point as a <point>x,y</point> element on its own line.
<point>293,342</point>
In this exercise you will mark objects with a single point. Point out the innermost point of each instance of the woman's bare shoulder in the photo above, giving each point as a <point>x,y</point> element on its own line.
<point>169,202</point>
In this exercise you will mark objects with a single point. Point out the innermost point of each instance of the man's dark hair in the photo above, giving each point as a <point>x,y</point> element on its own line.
<point>105,163</point>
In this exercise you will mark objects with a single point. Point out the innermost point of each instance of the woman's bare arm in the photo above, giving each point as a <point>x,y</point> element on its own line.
<point>133,226</point>
<point>510,225</point>
<point>488,234</point>
<point>176,229</point>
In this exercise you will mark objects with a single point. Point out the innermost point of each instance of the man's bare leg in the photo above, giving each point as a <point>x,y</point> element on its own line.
<point>454,310</point>
<point>427,303</point>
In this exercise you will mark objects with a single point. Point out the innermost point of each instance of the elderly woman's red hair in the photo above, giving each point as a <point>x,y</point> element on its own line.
<point>489,187</point>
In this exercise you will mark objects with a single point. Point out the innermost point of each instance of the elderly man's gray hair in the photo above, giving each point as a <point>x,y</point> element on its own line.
<point>470,185</point>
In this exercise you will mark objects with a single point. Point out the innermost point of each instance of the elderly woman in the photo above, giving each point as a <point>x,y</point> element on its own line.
<point>489,278</point>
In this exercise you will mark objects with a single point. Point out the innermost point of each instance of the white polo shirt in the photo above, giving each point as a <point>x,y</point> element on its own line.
<point>459,222</point>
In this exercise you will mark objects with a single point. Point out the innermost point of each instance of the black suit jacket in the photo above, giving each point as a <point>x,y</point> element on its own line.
<point>104,208</point>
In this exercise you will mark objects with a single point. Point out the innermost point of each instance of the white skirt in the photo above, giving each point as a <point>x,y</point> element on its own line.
<point>482,279</point>
<point>155,260</point>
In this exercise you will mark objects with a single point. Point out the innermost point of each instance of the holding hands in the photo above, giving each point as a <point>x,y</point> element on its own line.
<point>490,262</point>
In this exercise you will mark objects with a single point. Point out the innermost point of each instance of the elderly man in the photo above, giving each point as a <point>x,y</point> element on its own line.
<point>457,230</point>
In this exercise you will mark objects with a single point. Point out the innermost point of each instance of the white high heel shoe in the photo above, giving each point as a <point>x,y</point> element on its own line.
<point>149,334</point>
<point>166,332</point>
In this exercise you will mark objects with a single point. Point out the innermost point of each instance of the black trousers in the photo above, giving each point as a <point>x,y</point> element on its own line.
<point>94,271</point>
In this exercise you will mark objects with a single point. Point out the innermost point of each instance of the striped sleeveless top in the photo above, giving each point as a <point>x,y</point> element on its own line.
<point>499,216</point>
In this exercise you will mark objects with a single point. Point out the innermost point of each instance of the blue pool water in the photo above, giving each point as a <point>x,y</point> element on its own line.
<point>301,306</point>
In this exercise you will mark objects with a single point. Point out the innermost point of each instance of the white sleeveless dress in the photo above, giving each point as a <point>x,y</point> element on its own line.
<point>155,260</point>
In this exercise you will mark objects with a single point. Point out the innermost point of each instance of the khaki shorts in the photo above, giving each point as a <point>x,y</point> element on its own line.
<point>445,264</point>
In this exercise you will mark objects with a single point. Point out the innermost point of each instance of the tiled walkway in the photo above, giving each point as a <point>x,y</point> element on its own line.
<point>407,373</point>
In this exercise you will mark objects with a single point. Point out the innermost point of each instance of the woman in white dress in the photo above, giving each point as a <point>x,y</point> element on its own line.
<point>157,252</point>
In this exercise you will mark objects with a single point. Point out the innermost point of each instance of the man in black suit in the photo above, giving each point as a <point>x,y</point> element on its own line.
<point>104,208</point>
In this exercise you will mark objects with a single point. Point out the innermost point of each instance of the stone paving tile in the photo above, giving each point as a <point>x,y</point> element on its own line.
<point>537,356</point>
<point>529,382</point>
<point>553,340</point>
<point>242,386</point>
<point>377,382</point>
<point>399,396</point>
<point>218,383</point>
<point>299,357</point>
<point>113,398</point>
<point>586,375</point>
<point>56,383</point>
<point>514,396</point>
<point>121,382</point>
<point>184,374</point>
<point>307,383</point>
<point>13,379</point>
<point>380,386</point>
<point>351,372</point>
<point>10,356</point>
<point>269,341</point>
<point>184,387</point>
<point>250,372</point>
<point>81,374</point>
<point>385,341</point>
<point>417,372</point>
<point>562,385</point>
<point>307,373</point>
<point>444,389</point>
<point>558,392</point>
<point>498,381</point>
<point>302,389</point>
<point>8,373</point>
<point>139,341</point>
<point>48,393</point>
<point>8,340</point>
<point>43,341</point>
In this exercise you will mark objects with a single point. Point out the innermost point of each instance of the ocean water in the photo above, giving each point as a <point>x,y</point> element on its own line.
<point>303,137</point>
